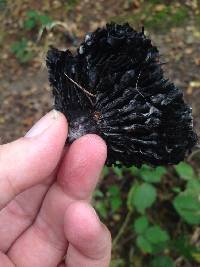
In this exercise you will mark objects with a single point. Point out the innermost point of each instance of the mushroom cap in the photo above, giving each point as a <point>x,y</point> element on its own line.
<point>114,86</point>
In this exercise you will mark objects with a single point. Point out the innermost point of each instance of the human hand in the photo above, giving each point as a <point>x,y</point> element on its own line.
<point>45,192</point>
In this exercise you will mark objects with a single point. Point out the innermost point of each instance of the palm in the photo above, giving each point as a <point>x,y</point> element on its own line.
<point>50,217</point>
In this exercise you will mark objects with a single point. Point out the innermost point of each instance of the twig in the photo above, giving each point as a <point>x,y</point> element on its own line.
<point>122,229</point>
<point>193,154</point>
<point>53,24</point>
<point>79,86</point>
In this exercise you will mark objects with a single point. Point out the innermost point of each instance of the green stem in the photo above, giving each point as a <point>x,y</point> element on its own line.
<point>122,229</point>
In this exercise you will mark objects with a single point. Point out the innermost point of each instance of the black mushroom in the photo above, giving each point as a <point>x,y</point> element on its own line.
<point>114,87</point>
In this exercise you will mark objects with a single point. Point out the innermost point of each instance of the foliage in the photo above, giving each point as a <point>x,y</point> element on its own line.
<point>150,239</point>
<point>3,4</point>
<point>36,19</point>
<point>183,247</point>
<point>143,196</point>
<point>22,51</point>
<point>155,15</point>
<point>162,261</point>
<point>152,175</point>
<point>187,203</point>
<point>136,209</point>
<point>185,171</point>
<point>167,16</point>
<point>112,200</point>
<point>70,5</point>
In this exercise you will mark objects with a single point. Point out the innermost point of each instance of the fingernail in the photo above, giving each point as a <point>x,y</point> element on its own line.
<point>43,124</point>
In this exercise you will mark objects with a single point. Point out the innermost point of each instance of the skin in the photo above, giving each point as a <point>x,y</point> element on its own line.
<point>46,218</point>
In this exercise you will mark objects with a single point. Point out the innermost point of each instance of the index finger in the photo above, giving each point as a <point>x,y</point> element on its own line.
<point>75,179</point>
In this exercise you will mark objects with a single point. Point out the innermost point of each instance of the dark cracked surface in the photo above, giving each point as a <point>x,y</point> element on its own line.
<point>128,102</point>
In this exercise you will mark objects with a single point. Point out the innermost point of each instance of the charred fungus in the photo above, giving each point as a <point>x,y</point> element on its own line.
<point>115,87</point>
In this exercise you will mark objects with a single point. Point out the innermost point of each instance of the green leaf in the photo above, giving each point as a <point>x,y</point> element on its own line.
<point>116,204</point>
<point>141,224</point>
<point>98,193</point>
<point>113,190</point>
<point>21,50</point>
<point>134,170</point>
<point>176,189</point>
<point>114,197</point>
<point>27,56</point>
<point>130,198</point>
<point>19,46</point>
<point>144,196</point>
<point>117,263</point>
<point>3,4</point>
<point>32,13</point>
<point>29,24</point>
<point>187,203</point>
<point>188,207</point>
<point>35,18</point>
<point>185,171</point>
<point>182,246</point>
<point>196,256</point>
<point>118,171</point>
<point>105,171</point>
<point>44,19</point>
<point>155,235</point>
<point>102,209</point>
<point>162,261</point>
<point>193,187</point>
<point>31,20</point>
<point>144,244</point>
<point>71,4</point>
<point>152,175</point>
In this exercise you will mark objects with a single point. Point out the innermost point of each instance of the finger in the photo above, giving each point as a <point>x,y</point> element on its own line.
<point>29,160</point>
<point>20,213</point>
<point>4,261</point>
<point>89,240</point>
<point>81,168</point>
<point>46,236</point>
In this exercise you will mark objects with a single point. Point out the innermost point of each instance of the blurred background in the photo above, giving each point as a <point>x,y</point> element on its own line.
<point>153,214</point>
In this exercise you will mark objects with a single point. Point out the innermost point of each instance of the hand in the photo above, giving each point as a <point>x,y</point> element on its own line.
<point>45,216</point>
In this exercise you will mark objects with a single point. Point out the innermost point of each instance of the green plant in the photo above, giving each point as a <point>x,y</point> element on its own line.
<point>141,223</point>
<point>142,196</point>
<point>70,5</point>
<point>162,261</point>
<point>185,171</point>
<point>187,203</point>
<point>167,17</point>
<point>182,246</point>
<point>36,19</point>
<point>112,201</point>
<point>3,4</point>
<point>150,238</point>
<point>22,51</point>
<point>154,2</point>
<point>156,15</point>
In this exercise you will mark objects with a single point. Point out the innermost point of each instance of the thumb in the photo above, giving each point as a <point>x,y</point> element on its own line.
<point>29,160</point>
<point>89,240</point>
